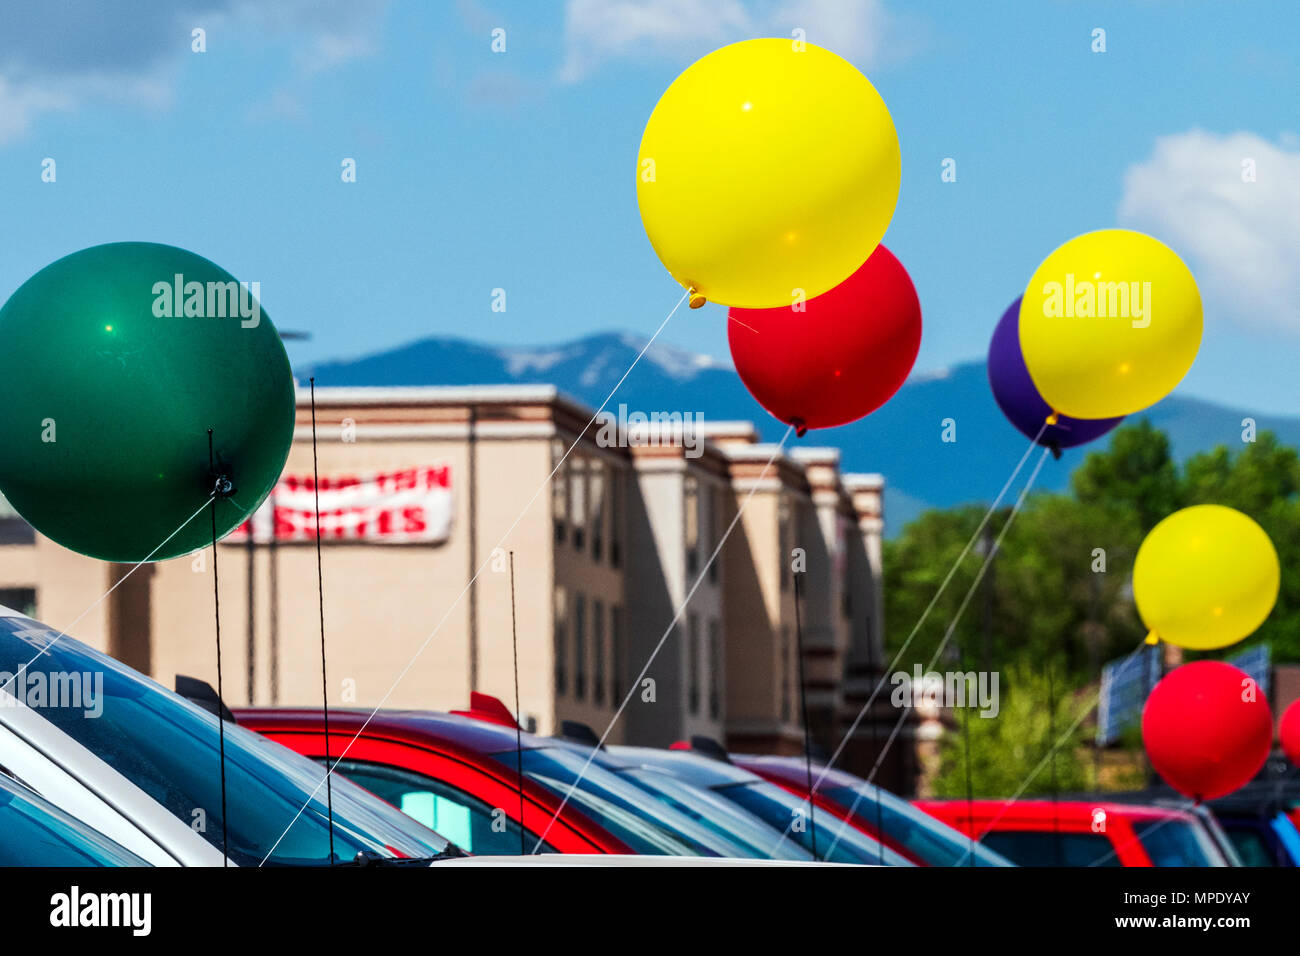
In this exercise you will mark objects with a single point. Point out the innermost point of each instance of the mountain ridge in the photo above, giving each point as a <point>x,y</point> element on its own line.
<point>902,440</point>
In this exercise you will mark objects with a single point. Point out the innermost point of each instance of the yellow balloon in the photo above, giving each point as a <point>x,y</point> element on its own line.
<point>765,170</point>
<point>1109,324</point>
<point>1205,577</point>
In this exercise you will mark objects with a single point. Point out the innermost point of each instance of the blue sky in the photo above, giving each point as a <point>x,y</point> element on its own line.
<point>478,170</point>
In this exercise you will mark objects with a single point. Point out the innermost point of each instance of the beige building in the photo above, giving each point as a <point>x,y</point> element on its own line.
<point>604,557</point>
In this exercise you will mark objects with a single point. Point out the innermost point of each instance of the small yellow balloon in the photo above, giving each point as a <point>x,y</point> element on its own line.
<point>769,170</point>
<point>1205,577</point>
<point>1109,324</point>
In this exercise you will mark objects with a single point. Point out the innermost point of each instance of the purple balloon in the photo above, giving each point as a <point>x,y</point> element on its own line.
<point>1018,397</point>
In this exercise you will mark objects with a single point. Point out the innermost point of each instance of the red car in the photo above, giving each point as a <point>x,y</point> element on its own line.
<point>457,774</point>
<point>1078,833</point>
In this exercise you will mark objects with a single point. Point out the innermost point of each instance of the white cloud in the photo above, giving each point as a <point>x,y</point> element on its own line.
<point>597,31</point>
<point>61,56</point>
<point>1241,239</point>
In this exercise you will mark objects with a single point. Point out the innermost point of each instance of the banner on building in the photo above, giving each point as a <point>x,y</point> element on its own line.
<point>410,506</point>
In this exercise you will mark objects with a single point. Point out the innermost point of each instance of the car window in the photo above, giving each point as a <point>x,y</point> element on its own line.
<point>1177,842</point>
<point>622,809</point>
<point>33,832</point>
<point>718,814</point>
<point>1251,846</point>
<point>465,820</point>
<point>833,843</point>
<point>168,747</point>
<point>1046,848</point>
<point>923,837</point>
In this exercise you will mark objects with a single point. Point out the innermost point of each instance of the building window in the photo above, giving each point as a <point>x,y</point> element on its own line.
<point>559,490</point>
<point>691,514</point>
<point>693,662</point>
<point>13,529</point>
<point>715,669</point>
<point>579,647</point>
<point>596,485</point>
<point>561,642</point>
<point>617,491</point>
<point>618,652</point>
<point>578,500</point>
<point>22,600</point>
<point>598,646</point>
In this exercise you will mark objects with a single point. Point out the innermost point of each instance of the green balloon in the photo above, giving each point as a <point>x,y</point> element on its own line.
<point>115,362</point>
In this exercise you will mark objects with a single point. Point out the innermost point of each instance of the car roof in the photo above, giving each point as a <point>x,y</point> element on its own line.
<point>419,727</point>
<point>794,771</point>
<point>695,769</point>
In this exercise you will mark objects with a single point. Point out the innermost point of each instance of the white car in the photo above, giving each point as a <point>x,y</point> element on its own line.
<point>140,764</point>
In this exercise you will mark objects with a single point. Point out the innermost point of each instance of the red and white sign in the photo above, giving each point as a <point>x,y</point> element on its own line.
<point>412,506</point>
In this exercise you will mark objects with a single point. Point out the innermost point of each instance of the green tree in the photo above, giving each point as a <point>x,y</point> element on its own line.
<point>1005,750</point>
<point>1136,473</point>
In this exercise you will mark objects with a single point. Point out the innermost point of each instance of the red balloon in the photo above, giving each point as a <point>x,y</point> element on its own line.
<point>1207,729</point>
<point>840,358</point>
<point>1289,731</point>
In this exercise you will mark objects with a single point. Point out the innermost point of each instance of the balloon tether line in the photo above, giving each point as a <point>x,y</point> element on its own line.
<point>948,633</point>
<point>519,716</point>
<point>943,586</point>
<point>803,705</point>
<point>320,590</point>
<point>474,577</point>
<point>222,487</point>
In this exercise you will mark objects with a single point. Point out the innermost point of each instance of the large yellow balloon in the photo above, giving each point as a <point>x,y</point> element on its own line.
<point>1109,324</point>
<point>1205,577</point>
<point>765,170</point>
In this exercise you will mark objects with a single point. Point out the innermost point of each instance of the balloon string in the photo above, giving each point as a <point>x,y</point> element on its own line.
<point>943,586</point>
<point>474,577</point>
<point>519,714</point>
<point>221,697</point>
<point>952,628</point>
<point>1060,741</point>
<point>320,590</point>
<point>100,600</point>
<point>636,684</point>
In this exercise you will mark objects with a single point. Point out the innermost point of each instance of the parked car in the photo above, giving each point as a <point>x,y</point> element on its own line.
<point>1083,833</point>
<point>34,832</point>
<point>458,773</point>
<point>140,764</point>
<point>701,804</point>
<point>851,801</point>
<point>776,807</point>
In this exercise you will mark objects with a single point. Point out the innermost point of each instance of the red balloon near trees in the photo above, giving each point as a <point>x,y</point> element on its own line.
<point>836,357</point>
<point>1289,730</point>
<point>1207,729</point>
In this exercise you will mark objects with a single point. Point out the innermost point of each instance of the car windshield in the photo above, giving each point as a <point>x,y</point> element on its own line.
<point>777,808</point>
<point>35,833</point>
<point>710,810</point>
<point>168,747</point>
<point>923,837</point>
<point>627,812</point>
